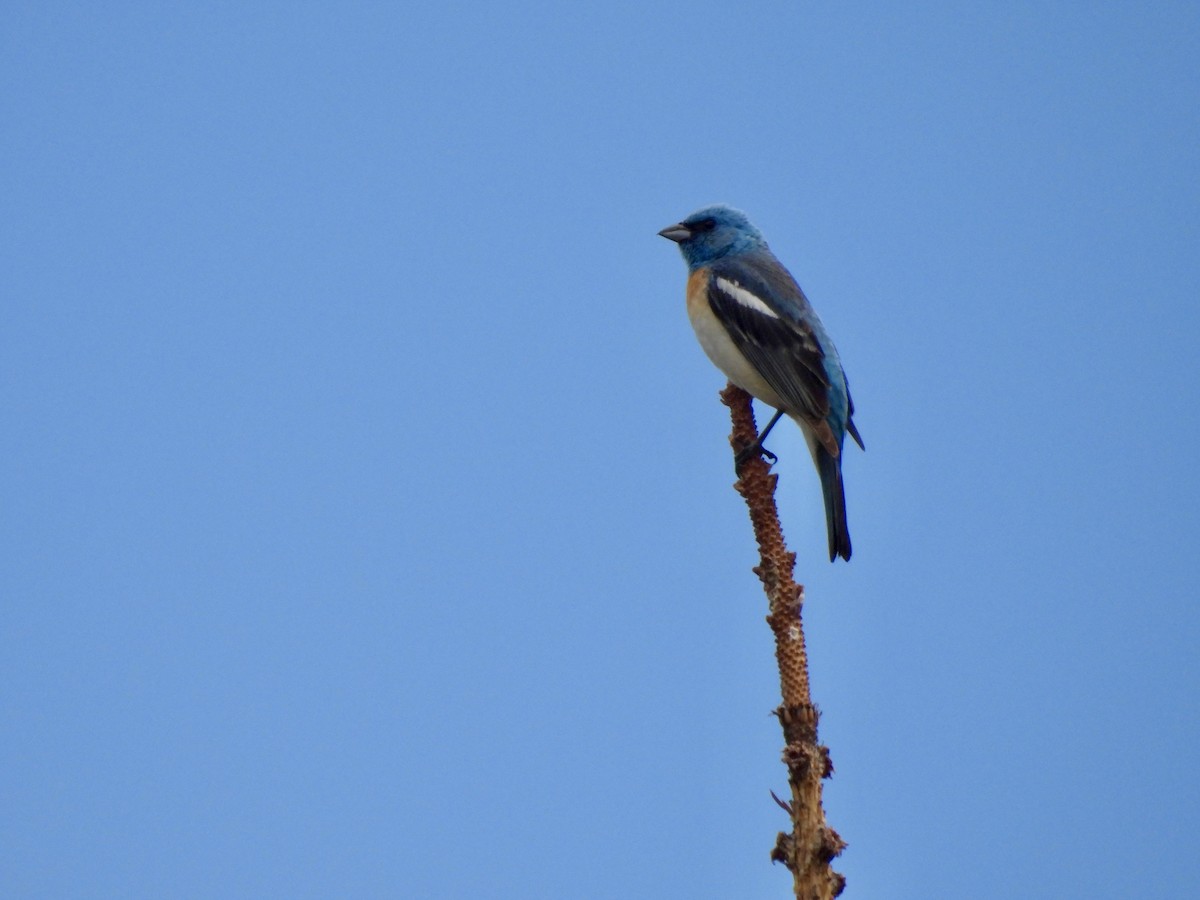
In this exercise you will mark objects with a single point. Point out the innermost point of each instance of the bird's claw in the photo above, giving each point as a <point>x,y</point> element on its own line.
<point>755,449</point>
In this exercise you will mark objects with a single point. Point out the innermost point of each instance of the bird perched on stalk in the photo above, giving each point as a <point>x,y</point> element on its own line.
<point>757,326</point>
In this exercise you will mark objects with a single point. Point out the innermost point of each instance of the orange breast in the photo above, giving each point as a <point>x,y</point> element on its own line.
<point>697,291</point>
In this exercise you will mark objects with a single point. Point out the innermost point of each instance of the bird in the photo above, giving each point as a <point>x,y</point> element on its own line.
<point>757,326</point>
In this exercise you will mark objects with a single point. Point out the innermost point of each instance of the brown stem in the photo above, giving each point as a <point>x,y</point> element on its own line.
<point>810,848</point>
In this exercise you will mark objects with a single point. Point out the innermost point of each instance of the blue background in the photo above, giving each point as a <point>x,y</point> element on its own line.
<point>366,512</point>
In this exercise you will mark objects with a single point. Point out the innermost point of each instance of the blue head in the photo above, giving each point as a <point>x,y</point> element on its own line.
<point>713,232</point>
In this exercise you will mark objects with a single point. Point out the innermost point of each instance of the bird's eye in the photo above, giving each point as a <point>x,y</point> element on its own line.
<point>705,225</point>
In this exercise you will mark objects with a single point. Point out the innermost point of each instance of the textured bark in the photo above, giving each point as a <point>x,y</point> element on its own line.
<point>809,849</point>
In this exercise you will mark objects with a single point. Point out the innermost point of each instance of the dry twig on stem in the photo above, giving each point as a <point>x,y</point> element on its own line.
<point>810,848</point>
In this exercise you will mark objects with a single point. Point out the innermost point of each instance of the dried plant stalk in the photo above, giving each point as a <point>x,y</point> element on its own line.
<point>812,845</point>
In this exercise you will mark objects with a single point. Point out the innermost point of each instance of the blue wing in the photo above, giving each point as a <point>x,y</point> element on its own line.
<point>773,325</point>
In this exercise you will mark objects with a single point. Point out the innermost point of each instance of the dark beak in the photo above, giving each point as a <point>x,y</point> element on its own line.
<point>677,233</point>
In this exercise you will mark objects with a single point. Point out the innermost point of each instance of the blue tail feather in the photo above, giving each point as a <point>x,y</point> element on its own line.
<point>830,470</point>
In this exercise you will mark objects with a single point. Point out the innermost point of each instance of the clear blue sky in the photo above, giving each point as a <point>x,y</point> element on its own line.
<point>366,504</point>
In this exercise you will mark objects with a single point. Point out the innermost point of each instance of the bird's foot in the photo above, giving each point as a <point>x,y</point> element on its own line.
<point>748,453</point>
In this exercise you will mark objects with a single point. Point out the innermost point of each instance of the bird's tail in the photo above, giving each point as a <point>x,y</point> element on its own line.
<point>830,470</point>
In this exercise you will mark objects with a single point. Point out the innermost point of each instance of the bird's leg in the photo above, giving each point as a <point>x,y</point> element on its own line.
<point>757,447</point>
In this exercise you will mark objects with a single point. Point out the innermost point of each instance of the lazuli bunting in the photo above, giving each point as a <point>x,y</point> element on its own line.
<point>757,326</point>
